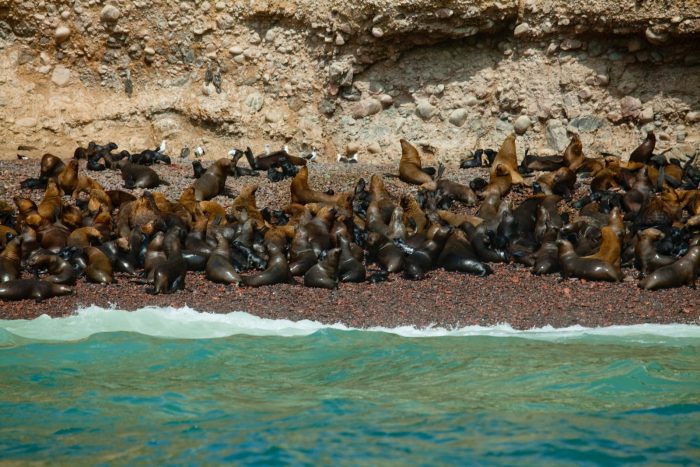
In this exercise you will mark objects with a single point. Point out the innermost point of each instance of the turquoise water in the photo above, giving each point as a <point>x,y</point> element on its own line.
<point>181,387</point>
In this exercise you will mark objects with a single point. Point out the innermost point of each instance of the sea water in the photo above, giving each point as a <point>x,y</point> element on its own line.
<point>177,386</point>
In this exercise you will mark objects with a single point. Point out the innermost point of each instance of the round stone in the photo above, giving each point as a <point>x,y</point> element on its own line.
<point>61,34</point>
<point>110,14</point>
<point>521,124</point>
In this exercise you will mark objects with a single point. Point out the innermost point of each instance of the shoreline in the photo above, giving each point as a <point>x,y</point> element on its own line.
<point>510,295</point>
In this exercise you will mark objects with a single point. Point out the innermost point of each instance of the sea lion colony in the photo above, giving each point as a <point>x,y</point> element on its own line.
<point>643,213</point>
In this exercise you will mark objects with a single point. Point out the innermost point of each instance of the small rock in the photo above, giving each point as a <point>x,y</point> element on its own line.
<point>647,115</point>
<point>61,34</point>
<point>570,44</point>
<point>352,148</point>
<point>458,117</point>
<point>224,21</point>
<point>443,13</point>
<point>386,100</point>
<point>339,40</point>
<point>208,89</point>
<point>273,116</point>
<point>630,107</point>
<point>326,107</point>
<point>149,51</point>
<point>656,38</point>
<point>521,29</point>
<point>377,32</point>
<point>425,110</point>
<point>692,117</point>
<point>254,101</point>
<point>26,122</point>
<point>634,45</point>
<point>235,50</point>
<point>521,124</point>
<point>471,100</point>
<point>366,107</point>
<point>556,135</point>
<point>110,14</point>
<point>602,80</point>
<point>60,75</point>
<point>374,148</point>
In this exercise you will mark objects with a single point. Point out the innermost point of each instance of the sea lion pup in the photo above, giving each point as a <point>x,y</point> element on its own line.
<point>60,271</point>
<point>322,275</point>
<point>84,237</point>
<point>560,182</point>
<point>50,206</point>
<point>411,170</point>
<point>213,182</point>
<point>646,258</point>
<point>219,268</point>
<point>99,267</point>
<point>50,166</point>
<point>506,157</point>
<point>541,163</point>
<point>246,201</point>
<point>414,217</point>
<point>68,178</point>
<point>170,276</point>
<point>449,191</point>
<point>267,161</point>
<point>29,288</point>
<point>645,150</point>
<point>547,256</point>
<point>421,257</point>
<point>301,253</point>
<point>10,260</point>
<point>139,176</point>
<point>677,274</point>
<point>458,255</point>
<point>84,185</point>
<point>384,252</point>
<point>456,219</point>
<point>591,269</point>
<point>277,271</point>
<point>576,161</point>
<point>303,194</point>
<point>350,268</point>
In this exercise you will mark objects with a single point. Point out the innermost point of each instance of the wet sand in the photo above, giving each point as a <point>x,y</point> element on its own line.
<point>511,295</point>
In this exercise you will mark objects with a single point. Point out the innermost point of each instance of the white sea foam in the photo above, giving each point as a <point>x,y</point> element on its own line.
<point>187,323</point>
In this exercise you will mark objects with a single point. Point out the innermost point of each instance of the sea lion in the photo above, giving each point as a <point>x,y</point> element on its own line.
<point>410,167</point>
<point>677,274</point>
<point>560,182</point>
<point>212,182</point>
<point>10,260</point>
<point>350,268</point>
<point>301,192</point>
<point>99,267</point>
<point>60,270</point>
<point>50,166</point>
<point>645,150</point>
<point>458,255</point>
<point>28,288</point>
<point>277,271</point>
<point>139,176</point>
<point>68,178</point>
<point>540,163</point>
<point>453,191</point>
<point>506,157</point>
<point>592,269</point>
<point>323,274</point>
<point>301,253</point>
<point>646,258</point>
<point>51,204</point>
<point>170,276</point>
<point>383,252</point>
<point>219,268</point>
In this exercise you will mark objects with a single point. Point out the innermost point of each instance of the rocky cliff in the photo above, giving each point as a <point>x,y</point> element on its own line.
<point>339,75</point>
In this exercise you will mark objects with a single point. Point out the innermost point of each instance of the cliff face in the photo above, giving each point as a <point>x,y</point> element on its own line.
<point>336,75</point>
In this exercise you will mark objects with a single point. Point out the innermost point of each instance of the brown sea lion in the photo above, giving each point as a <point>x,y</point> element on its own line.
<point>560,182</point>
<point>84,237</point>
<point>301,192</point>
<point>458,255</point>
<point>456,191</point>
<point>139,176</point>
<point>10,260</point>
<point>644,151</point>
<point>350,268</point>
<point>414,217</point>
<point>301,253</point>
<point>507,158</point>
<point>50,206</point>
<point>99,268</point>
<point>170,276</point>
<point>410,167</point>
<point>84,185</point>
<point>68,178</point>
<point>213,182</point>
<point>60,271</point>
<point>277,271</point>
<point>384,252</point>
<point>246,200</point>
<point>457,219</point>
<point>592,269</point>
<point>51,166</point>
<point>677,274</point>
<point>219,268</point>
<point>22,289</point>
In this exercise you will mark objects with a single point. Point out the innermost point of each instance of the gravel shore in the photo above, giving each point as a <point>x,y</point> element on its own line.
<point>510,295</point>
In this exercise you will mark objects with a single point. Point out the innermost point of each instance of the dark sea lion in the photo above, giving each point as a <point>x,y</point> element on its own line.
<point>219,268</point>
<point>456,192</point>
<point>139,176</point>
<point>592,269</point>
<point>170,276</point>
<point>383,251</point>
<point>99,267</point>
<point>68,178</point>
<point>677,274</point>
<point>646,258</point>
<point>50,206</point>
<point>350,268</point>
<point>50,166</point>
<point>60,271</point>
<point>458,255</point>
<point>540,163</point>
<point>323,274</point>
<point>22,289</point>
<point>410,167</point>
<point>560,182</point>
<point>645,150</point>
<point>212,182</point>
<point>507,158</point>
<point>301,253</point>
<point>119,197</point>
<point>277,271</point>
<point>547,256</point>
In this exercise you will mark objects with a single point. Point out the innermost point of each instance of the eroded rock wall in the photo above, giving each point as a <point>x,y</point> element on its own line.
<point>336,74</point>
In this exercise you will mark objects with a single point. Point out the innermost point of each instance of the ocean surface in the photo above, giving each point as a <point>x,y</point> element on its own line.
<point>176,386</point>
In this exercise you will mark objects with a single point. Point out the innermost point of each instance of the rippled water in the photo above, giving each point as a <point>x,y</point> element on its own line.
<point>177,386</point>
